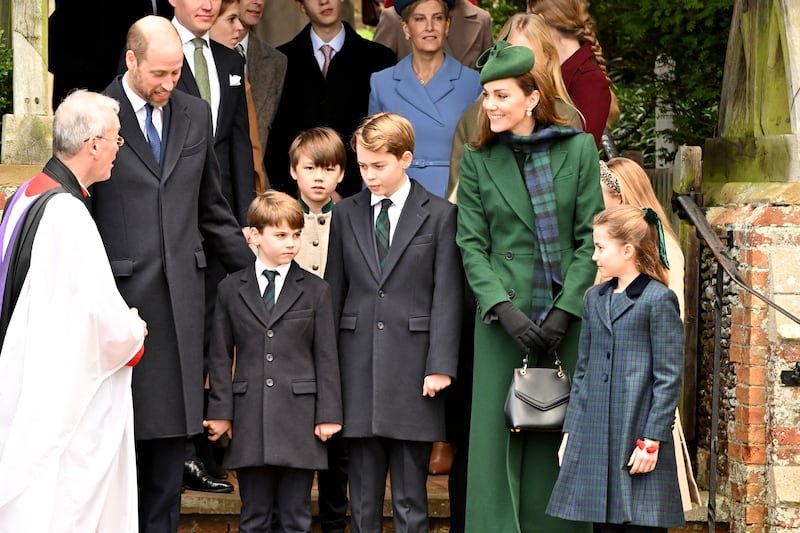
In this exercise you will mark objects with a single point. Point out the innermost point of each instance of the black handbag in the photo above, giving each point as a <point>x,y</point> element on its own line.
<point>537,398</point>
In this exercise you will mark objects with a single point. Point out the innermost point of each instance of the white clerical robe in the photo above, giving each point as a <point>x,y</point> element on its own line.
<point>67,460</point>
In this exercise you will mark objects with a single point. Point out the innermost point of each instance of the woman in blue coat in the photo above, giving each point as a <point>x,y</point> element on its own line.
<point>618,469</point>
<point>429,88</point>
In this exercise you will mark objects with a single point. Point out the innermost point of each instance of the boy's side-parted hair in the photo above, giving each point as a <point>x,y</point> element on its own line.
<point>271,208</point>
<point>627,224</point>
<point>385,132</point>
<point>322,145</point>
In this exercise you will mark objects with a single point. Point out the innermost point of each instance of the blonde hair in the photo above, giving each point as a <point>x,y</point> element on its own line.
<point>385,132</point>
<point>322,145</point>
<point>271,208</point>
<point>636,190</point>
<point>626,224</point>
<point>571,18</point>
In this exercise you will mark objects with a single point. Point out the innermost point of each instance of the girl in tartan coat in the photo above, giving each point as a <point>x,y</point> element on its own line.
<point>617,457</point>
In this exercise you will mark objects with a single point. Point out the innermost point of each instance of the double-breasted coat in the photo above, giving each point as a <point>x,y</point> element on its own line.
<point>338,100</point>
<point>399,324</point>
<point>626,387</point>
<point>433,110</point>
<point>287,370</point>
<point>510,476</point>
<point>157,225</point>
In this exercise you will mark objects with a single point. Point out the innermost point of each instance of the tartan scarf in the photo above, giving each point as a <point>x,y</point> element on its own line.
<point>538,174</point>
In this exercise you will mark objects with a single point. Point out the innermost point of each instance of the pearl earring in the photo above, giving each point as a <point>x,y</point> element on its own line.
<point>529,112</point>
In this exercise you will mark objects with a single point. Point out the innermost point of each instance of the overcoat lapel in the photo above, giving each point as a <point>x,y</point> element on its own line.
<point>187,80</point>
<point>601,304</point>
<point>251,295</point>
<point>291,291</point>
<point>176,128</point>
<point>501,166</point>
<point>470,27</point>
<point>362,228</point>
<point>223,74</point>
<point>424,98</point>
<point>134,138</point>
<point>412,217</point>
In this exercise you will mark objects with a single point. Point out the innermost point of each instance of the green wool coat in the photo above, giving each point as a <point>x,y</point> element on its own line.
<point>510,476</point>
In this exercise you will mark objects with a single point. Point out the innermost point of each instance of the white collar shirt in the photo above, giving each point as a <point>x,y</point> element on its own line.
<point>336,43</point>
<point>398,201</point>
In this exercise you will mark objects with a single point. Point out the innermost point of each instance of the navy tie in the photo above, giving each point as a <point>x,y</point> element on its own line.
<point>152,133</point>
<point>269,292</point>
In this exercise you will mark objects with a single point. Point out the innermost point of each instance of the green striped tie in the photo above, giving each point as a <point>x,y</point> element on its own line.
<point>269,292</point>
<point>201,70</point>
<point>382,231</point>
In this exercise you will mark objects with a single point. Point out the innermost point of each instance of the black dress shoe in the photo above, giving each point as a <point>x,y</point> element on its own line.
<point>196,478</point>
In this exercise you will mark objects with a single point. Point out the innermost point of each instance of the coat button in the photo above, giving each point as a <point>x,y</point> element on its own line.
<point>321,220</point>
<point>314,267</point>
<point>608,355</point>
<point>511,293</point>
<point>270,333</point>
<point>315,242</point>
<point>381,325</point>
<point>509,256</point>
<point>269,382</point>
<point>381,294</point>
<point>269,357</point>
<point>605,378</point>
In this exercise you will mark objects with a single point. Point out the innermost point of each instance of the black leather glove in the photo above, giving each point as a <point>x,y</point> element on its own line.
<point>520,327</point>
<point>554,327</point>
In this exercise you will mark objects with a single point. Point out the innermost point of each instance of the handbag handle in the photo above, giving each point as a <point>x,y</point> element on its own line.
<point>524,369</point>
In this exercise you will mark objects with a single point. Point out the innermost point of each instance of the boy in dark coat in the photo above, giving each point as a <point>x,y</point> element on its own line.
<point>284,400</point>
<point>396,278</point>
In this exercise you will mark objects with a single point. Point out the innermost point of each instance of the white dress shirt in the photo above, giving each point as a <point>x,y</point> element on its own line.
<point>398,201</point>
<point>138,103</point>
<point>282,270</point>
<point>336,43</point>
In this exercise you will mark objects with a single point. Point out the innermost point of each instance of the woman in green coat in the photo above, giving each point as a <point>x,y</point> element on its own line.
<point>528,191</point>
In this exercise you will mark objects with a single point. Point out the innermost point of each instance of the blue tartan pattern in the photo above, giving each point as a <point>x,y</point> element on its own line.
<point>626,386</point>
<point>538,177</point>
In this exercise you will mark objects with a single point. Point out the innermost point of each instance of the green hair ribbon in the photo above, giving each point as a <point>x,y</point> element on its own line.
<point>652,217</point>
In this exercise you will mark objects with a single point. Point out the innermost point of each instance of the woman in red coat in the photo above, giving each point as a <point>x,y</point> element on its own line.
<point>583,66</point>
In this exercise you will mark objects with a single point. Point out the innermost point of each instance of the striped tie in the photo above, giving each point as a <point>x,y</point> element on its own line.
<point>269,292</point>
<point>382,231</point>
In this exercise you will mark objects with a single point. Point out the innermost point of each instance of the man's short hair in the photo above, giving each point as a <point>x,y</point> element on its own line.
<point>385,132</point>
<point>272,208</point>
<point>82,115</point>
<point>322,145</point>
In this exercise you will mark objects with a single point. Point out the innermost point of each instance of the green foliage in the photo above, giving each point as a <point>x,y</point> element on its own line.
<point>689,34</point>
<point>636,128</point>
<point>501,11</point>
<point>6,67</point>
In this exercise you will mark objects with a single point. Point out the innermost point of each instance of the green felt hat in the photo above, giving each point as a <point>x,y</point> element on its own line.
<point>504,61</point>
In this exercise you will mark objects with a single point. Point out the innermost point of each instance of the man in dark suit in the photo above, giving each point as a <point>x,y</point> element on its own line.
<point>159,216</point>
<point>225,78</point>
<point>317,92</point>
<point>83,51</point>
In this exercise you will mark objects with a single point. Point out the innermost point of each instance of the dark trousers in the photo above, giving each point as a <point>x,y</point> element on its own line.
<point>407,464</point>
<point>332,485</point>
<point>263,489</point>
<point>159,466</point>
<point>626,528</point>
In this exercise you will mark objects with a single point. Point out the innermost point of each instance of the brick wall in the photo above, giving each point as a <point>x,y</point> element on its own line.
<point>764,433</point>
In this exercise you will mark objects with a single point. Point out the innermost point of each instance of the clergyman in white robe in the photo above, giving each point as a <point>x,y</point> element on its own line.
<point>67,459</point>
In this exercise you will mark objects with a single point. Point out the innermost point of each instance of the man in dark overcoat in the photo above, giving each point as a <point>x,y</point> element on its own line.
<point>339,99</point>
<point>157,221</point>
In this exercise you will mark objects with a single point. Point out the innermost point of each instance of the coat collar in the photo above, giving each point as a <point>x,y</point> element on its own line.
<point>130,130</point>
<point>611,309</point>
<point>251,295</point>
<point>413,215</point>
<point>424,98</point>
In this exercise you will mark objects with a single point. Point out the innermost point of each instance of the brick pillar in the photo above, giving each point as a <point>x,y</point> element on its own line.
<point>764,435</point>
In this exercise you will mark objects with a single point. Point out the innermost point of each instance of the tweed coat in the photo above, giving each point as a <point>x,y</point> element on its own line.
<point>232,134</point>
<point>399,324</point>
<point>157,225</point>
<point>626,387</point>
<point>470,33</point>
<point>287,370</point>
<point>339,101</point>
<point>433,110</point>
<point>510,476</point>
<point>266,69</point>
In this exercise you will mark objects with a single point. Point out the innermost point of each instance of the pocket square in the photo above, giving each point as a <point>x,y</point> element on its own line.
<point>234,80</point>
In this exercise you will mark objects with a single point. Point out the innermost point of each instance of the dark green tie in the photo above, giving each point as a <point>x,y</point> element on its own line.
<point>269,292</point>
<point>201,70</point>
<point>382,231</point>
